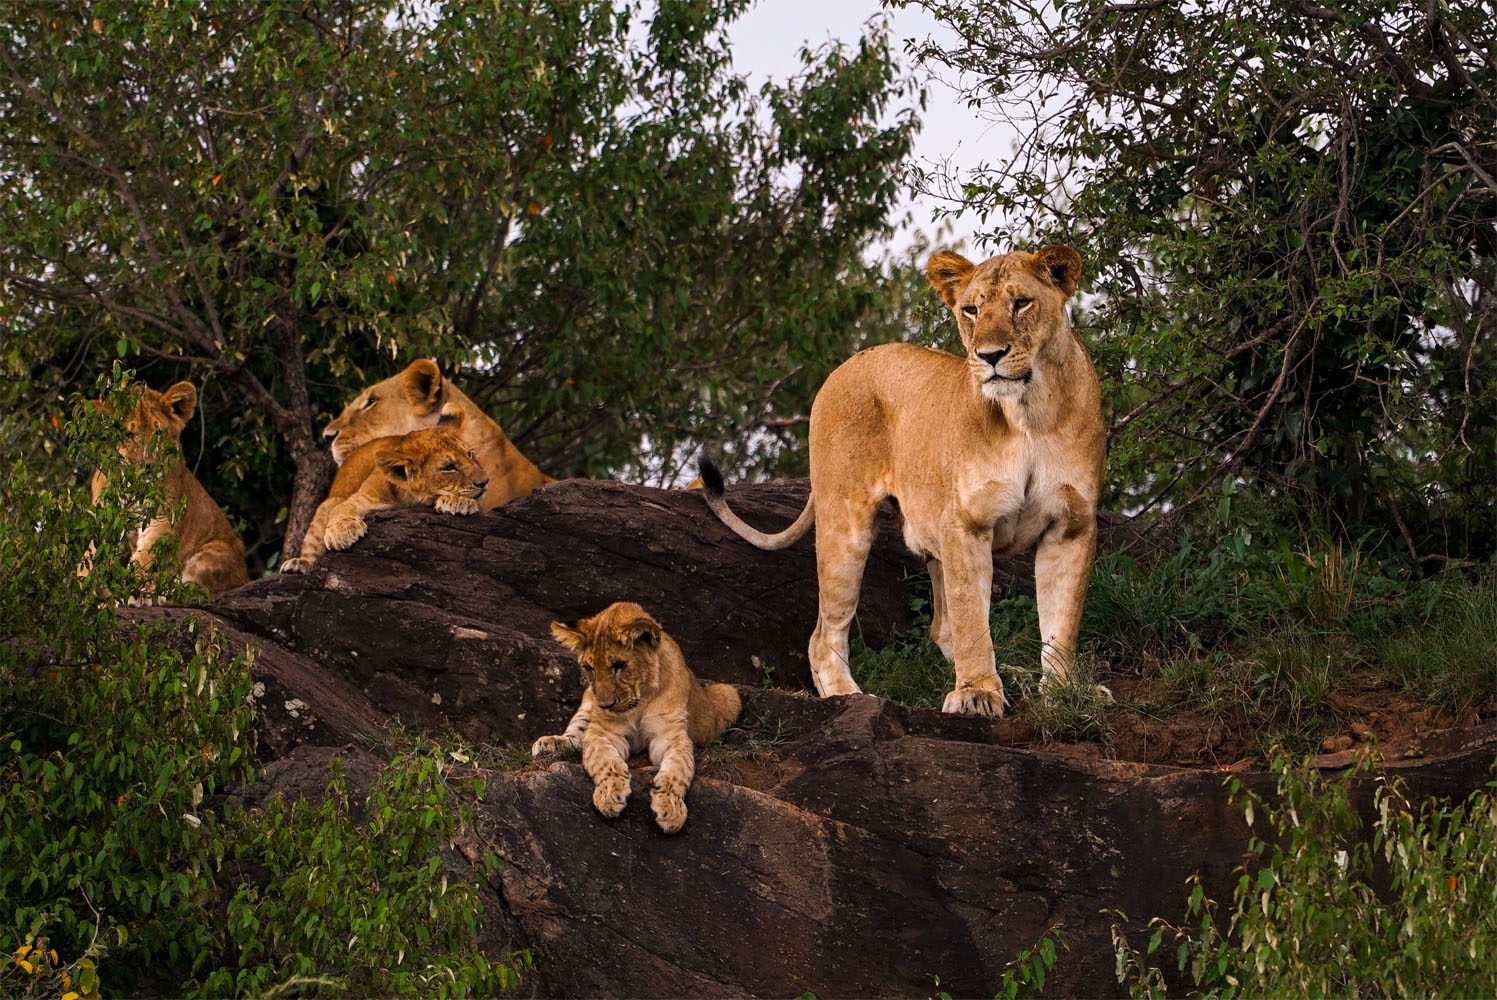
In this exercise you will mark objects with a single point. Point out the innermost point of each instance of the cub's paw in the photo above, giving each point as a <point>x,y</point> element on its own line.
<point>344,531</point>
<point>669,809</point>
<point>972,700</point>
<point>610,794</point>
<point>553,744</point>
<point>456,505</point>
<point>297,565</point>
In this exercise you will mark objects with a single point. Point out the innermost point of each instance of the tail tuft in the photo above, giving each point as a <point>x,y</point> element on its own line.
<point>712,477</point>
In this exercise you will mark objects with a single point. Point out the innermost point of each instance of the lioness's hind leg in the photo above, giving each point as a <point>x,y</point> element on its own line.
<point>844,536</point>
<point>940,622</point>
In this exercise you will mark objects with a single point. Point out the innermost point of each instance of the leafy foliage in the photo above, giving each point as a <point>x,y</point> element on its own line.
<point>551,197</point>
<point>1324,910</point>
<point>1286,210</point>
<point>119,851</point>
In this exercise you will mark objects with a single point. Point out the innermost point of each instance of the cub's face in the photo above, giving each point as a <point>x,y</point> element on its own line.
<point>1009,309</point>
<point>403,403</point>
<point>435,465</point>
<point>618,650</point>
<point>157,421</point>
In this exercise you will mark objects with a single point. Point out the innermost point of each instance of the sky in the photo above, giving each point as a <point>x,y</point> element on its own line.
<point>765,42</point>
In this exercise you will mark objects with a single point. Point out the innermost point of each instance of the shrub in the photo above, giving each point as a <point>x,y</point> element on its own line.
<point>1322,910</point>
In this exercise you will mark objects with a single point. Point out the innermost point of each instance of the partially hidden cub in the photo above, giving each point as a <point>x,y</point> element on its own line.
<point>212,554</point>
<point>430,466</point>
<point>640,696</point>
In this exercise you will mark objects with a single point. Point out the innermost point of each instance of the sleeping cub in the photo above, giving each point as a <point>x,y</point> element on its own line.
<point>430,466</point>
<point>640,695</point>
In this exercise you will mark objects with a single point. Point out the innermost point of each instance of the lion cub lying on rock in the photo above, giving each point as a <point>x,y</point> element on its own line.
<point>430,466</point>
<point>640,695</point>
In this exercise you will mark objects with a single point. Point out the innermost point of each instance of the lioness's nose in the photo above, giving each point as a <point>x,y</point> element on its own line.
<point>330,432</point>
<point>481,484</point>
<point>993,357</point>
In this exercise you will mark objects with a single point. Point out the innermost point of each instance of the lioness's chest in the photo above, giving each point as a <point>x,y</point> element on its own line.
<point>1017,491</point>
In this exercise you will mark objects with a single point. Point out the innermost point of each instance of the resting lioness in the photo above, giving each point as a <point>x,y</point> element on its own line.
<point>640,695</point>
<point>212,554</point>
<point>412,400</point>
<point>431,466</point>
<point>996,452</point>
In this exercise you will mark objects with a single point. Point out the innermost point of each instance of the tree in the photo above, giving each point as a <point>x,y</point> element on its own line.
<point>1287,209</point>
<point>575,199</point>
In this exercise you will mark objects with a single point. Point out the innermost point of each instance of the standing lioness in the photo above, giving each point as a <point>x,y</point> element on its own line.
<point>996,452</point>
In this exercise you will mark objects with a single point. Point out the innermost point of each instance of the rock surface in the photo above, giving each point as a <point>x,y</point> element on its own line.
<point>845,846</point>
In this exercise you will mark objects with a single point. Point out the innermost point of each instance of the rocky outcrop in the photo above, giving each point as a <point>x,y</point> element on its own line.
<point>845,846</point>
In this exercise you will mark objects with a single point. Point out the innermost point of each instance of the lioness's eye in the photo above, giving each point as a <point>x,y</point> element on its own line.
<point>970,311</point>
<point>1021,304</point>
<point>369,402</point>
<point>473,456</point>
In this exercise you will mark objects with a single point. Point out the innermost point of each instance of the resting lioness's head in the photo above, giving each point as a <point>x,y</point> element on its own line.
<point>157,421</point>
<point>434,466</point>
<point>619,652</point>
<point>402,403</point>
<point>1010,309</point>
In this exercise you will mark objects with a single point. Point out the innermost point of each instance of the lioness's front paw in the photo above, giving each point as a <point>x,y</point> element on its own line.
<point>343,531</point>
<point>970,700</point>
<point>552,744</point>
<point>456,505</point>
<point>610,794</point>
<point>297,565</point>
<point>669,809</point>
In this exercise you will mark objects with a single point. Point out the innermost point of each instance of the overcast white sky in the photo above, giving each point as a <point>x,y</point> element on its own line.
<point>765,42</point>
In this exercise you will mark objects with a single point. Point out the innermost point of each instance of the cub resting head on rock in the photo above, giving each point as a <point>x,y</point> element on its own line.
<point>640,696</point>
<point>430,466</point>
<point>212,554</point>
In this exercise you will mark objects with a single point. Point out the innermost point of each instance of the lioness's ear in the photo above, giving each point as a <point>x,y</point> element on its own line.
<point>396,465</point>
<point>1059,265</point>
<point>180,401</point>
<point>423,384</point>
<point>567,636</point>
<point>948,274</point>
<point>451,416</point>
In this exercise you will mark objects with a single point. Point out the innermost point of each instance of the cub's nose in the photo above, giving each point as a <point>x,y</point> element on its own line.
<point>994,356</point>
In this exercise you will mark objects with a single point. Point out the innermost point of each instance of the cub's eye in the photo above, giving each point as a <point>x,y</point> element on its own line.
<point>970,311</point>
<point>369,402</point>
<point>618,666</point>
<point>1021,304</point>
<point>450,467</point>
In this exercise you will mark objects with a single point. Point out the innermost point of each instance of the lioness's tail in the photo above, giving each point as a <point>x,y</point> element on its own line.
<point>712,709</point>
<point>712,489</point>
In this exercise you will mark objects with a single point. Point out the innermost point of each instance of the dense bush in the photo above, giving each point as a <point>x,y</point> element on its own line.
<point>120,850</point>
<point>1325,909</point>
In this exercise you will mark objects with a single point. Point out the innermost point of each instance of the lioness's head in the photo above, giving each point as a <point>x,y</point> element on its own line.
<point>619,652</point>
<point>400,404</point>
<point>1010,309</point>
<point>157,421</point>
<point>433,465</point>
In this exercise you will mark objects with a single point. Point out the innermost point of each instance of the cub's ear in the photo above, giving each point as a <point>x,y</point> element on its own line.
<point>180,401</point>
<point>451,416</point>
<point>948,274</point>
<point>641,633</point>
<point>1059,265</point>
<point>568,636</point>
<point>423,385</point>
<point>396,464</point>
